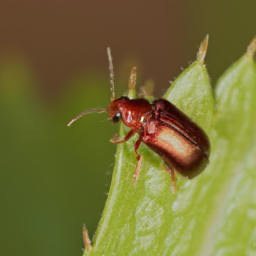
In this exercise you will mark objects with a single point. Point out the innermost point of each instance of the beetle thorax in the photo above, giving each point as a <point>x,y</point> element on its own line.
<point>131,111</point>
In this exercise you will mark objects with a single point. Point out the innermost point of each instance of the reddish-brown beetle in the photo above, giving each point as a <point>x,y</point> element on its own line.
<point>182,144</point>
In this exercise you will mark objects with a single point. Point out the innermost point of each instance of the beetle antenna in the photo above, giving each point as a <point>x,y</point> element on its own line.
<point>95,110</point>
<point>106,120</point>
<point>111,69</point>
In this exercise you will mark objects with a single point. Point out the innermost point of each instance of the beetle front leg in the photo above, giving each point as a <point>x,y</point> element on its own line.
<point>117,140</point>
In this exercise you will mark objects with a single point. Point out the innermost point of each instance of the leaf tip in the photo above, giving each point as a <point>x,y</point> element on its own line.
<point>132,79</point>
<point>132,83</point>
<point>202,50</point>
<point>86,239</point>
<point>251,49</point>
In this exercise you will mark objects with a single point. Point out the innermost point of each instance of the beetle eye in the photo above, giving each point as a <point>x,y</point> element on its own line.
<point>116,118</point>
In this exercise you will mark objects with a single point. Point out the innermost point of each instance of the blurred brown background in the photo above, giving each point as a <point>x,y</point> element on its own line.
<point>53,65</point>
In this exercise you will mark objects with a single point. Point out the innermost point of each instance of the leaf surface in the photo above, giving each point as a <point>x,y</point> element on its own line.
<point>212,214</point>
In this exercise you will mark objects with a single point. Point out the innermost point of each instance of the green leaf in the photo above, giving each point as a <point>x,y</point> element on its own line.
<point>235,149</point>
<point>192,93</point>
<point>212,214</point>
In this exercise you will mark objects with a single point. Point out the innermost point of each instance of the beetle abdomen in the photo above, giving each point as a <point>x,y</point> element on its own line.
<point>181,143</point>
<point>178,152</point>
<point>170,115</point>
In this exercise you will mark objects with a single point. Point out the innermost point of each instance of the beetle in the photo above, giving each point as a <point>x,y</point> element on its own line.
<point>181,143</point>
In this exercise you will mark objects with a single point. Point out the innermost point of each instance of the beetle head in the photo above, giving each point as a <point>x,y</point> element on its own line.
<point>115,109</point>
<point>121,108</point>
<point>130,111</point>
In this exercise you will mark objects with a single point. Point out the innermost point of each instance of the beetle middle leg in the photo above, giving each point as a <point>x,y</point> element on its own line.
<point>139,159</point>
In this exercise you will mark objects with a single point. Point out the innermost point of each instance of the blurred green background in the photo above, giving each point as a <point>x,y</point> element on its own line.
<point>53,65</point>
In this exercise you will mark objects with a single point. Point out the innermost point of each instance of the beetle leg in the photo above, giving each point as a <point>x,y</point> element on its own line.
<point>173,180</point>
<point>139,158</point>
<point>172,172</point>
<point>116,140</point>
